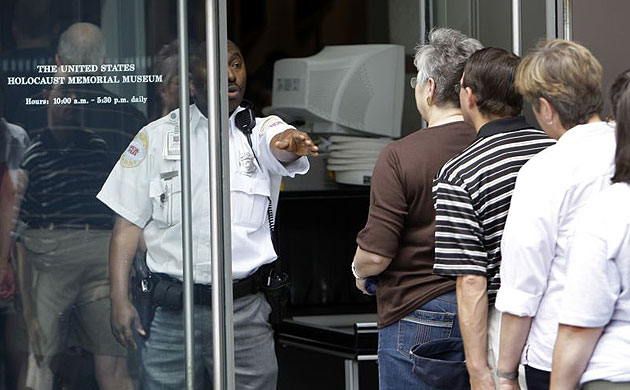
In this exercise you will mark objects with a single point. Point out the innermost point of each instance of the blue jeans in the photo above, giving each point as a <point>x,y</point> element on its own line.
<point>162,355</point>
<point>434,320</point>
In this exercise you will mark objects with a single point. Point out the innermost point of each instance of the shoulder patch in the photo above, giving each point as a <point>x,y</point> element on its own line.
<point>272,121</point>
<point>136,151</point>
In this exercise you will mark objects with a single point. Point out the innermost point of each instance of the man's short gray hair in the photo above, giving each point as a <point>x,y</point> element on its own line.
<point>82,44</point>
<point>442,59</point>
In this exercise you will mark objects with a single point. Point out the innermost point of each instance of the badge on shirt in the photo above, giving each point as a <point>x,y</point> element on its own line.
<point>172,146</point>
<point>246,164</point>
<point>136,151</point>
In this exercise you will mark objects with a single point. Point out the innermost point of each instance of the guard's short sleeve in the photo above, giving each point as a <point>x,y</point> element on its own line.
<point>126,190</point>
<point>266,129</point>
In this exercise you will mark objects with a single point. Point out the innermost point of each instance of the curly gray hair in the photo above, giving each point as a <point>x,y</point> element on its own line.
<point>442,59</point>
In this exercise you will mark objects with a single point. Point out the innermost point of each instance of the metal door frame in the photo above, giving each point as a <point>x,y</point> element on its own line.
<point>220,226</point>
<point>220,232</point>
<point>565,19</point>
<point>558,20</point>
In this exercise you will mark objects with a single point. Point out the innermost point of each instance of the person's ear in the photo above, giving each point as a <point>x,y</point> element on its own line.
<point>430,87</point>
<point>546,111</point>
<point>469,98</point>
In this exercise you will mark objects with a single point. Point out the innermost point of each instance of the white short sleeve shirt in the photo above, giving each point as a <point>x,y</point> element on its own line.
<point>550,189</point>
<point>597,290</point>
<point>145,188</point>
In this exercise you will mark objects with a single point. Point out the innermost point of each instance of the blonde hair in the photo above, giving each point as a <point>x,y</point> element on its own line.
<point>567,75</point>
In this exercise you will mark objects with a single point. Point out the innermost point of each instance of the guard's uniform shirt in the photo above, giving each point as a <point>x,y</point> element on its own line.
<point>144,188</point>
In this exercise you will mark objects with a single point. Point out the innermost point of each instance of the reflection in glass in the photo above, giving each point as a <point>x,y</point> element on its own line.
<point>167,64</point>
<point>78,131</point>
<point>13,142</point>
<point>63,248</point>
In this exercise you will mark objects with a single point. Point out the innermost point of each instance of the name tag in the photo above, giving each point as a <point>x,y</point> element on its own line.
<point>172,146</point>
<point>168,175</point>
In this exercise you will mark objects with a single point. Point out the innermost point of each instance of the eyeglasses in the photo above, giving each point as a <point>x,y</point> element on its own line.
<point>413,82</point>
<point>457,87</point>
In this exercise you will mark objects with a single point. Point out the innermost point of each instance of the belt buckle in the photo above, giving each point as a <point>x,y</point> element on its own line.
<point>69,226</point>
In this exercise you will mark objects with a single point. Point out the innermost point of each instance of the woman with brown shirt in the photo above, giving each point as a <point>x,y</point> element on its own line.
<point>397,244</point>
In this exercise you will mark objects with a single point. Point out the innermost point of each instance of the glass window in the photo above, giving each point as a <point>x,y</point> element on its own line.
<point>79,80</point>
<point>89,97</point>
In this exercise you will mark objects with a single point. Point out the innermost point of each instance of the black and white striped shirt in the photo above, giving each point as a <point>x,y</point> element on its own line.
<point>472,195</point>
<point>63,181</point>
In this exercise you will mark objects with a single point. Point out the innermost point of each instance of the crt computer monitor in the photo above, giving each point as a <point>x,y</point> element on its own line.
<point>353,89</point>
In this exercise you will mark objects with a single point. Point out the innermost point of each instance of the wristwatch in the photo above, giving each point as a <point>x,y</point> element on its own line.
<point>508,375</point>
<point>354,272</point>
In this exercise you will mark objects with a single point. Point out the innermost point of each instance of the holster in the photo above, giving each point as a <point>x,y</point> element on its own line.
<point>142,290</point>
<point>275,285</point>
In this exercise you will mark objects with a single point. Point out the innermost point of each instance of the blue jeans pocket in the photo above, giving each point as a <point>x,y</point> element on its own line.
<point>422,326</point>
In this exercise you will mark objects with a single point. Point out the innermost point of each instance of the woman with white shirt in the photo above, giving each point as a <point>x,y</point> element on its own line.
<point>562,80</point>
<point>595,321</point>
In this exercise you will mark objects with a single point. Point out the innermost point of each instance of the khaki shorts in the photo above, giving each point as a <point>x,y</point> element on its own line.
<point>605,385</point>
<point>71,288</point>
<point>494,338</point>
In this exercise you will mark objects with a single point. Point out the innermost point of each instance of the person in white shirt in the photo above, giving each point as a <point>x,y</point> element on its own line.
<point>144,190</point>
<point>562,80</point>
<point>593,344</point>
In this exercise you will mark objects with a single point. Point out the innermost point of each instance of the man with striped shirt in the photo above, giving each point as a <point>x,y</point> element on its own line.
<point>63,246</point>
<point>472,195</point>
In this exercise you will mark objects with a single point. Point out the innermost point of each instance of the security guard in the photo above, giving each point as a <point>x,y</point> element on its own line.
<point>144,190</point>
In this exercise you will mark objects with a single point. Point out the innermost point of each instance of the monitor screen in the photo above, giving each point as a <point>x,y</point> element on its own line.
<point>354,89</point>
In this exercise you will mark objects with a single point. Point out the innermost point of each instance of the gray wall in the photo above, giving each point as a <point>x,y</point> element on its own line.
<point>533,26</point>
<point>404,29</point>
<point>494,23</point>
<point>490,21</point>
<point>603,27</point>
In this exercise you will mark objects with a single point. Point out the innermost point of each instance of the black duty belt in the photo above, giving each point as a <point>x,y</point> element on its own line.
<point>240,288</point>
<point>169,292</point>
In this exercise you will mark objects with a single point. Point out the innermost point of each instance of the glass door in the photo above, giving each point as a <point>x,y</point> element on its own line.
<point>100,250</point>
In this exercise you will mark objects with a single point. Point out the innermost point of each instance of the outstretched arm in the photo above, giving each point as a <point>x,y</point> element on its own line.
<point>291,144</point>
